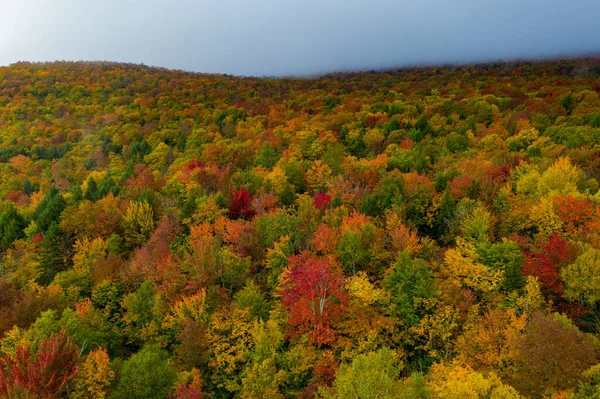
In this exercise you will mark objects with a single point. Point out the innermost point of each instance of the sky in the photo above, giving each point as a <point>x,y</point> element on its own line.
<point>295,37</point>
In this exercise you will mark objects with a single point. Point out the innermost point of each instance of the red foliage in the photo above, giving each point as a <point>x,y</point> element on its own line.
<point>41,375</point>
<point>186,392</point>
<point>460,186</point>
<point>313,295</point>
<point>325,239</point>
<point>9,296</point>
<point>197,164</point>
<point>373,120</point>
<point>239,206</point>
<point>321,201</point>
<point>495,176</point>
<point>418,186</point>
<point>19,198</point>
<point>407,144</point>
<point>210,176</point>
<point>191,169</point>
<point>546,264</point>
<point>37,238</point>
<point>574,212</point>
<point>460,298</point>
<point>155,261</point>
<point>142,180</point>
<point>323,375</point>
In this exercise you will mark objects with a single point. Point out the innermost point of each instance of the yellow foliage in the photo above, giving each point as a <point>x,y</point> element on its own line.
<point>157,159</point>
<point>116,166</point>
<point>363,292</point>
<point>87,253</point>
<point>317,174</point>
<point>532,299</point>
<point>138,222</point>
<point>278,179</point>
<point>476,226</point>
<point>93,377</point>
<point>310,146</point>
<point>191,306</point>
<point>461,268</point>
<point>492,341</point>
<point>528,182</point>
<point>208,211</point>
<point>453,381</point>
<point>561,178</point>
<point>13,339</point>
<point>524,138</point>
<point>230,338</point>
<point>277,256</point>
<point>97,175</point>
<point>582,277</point>
<point>21,263</point>
<point>437,331</point>
<point>373,136</point>
<point>543,216</point>
<point>262,380</point>
<point>35,199</point>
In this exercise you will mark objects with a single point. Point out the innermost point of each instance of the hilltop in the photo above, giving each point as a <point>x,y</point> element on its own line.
<point>425,232</point>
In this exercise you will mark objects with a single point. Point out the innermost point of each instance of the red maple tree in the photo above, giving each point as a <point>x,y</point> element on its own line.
<point>321,201</point>
<point>42,375</point>
<point>239,207</point>
<point>546,264</point>
<point>313,295</point>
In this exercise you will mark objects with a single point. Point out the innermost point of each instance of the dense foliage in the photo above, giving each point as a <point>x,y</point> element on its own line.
<point>424,233</point>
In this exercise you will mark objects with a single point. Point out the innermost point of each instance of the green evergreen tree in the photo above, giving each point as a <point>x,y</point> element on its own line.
<point>54,251</point>
<point>92,193</point>
<point>49,209</point>
<point>12,225</point>
<point>108,186</point>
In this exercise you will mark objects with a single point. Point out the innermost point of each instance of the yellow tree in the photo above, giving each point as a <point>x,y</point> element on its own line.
<point>461,267</point>
<point>582,277</point>
<point>453,381</point>
<point>261,377</point>
<point>93,377</point>
<point>138,223</point>
<point>230,338</point>
<point>492,341</point>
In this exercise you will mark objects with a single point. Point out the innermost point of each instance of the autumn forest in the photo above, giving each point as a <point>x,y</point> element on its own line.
<point>428,232</point>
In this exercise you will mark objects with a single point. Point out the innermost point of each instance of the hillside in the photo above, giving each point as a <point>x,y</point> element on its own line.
<point>428,232</point>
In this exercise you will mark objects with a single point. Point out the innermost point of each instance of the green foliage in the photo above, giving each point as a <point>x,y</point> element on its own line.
<point>456,141</point>
<point>146,375</point>
<point>49,209</point>
<point>54,250</point>
<point>410,281</point>
<point>92,193</point>
<point>12,225</point>
<point>370,376</point>
<point>432,211</point>
<point>567,102</point>
<point>389,192</point>
<point>505,256</point>
<point>267,157</point>
<point>143,314</point>
<point>251,297</point>
<point>581,277</point>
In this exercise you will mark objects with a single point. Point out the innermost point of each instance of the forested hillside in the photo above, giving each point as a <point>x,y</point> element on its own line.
<point>417,233</point>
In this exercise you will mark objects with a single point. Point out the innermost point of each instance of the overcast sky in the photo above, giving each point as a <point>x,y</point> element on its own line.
<point>291,37</point>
